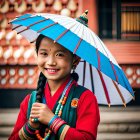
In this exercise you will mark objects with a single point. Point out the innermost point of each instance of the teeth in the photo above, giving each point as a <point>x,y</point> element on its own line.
<point>52,70</point>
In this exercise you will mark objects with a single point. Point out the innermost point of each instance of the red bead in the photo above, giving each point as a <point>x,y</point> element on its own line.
<point>63,102</point>
<point>37,131</point>
<point>65,98</point>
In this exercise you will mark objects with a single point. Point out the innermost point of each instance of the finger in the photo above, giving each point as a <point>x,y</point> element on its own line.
<point>34,112</point>
<point>37,104</point>
<point>35,108</point>
<point>34,116</point>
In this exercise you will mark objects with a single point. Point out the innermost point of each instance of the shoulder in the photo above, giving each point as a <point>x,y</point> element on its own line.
<point>87,97</point>
<point>85,93</point>
<point>88,106</point>
<point>25,100</point>
<point>80,89</point>
<point>24,104</point>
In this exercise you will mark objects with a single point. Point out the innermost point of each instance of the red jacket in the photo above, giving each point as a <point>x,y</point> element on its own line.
<point>88,116</point>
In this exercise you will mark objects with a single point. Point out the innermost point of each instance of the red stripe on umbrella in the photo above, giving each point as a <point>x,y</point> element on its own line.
<point>104,87</point>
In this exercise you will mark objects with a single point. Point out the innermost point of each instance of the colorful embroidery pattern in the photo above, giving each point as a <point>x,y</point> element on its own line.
<point>74,102</point>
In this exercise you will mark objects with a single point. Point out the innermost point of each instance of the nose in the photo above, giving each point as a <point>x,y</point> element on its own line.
<point>51,61</point>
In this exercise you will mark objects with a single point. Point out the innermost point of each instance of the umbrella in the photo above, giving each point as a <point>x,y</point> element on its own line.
<point>99,69</point>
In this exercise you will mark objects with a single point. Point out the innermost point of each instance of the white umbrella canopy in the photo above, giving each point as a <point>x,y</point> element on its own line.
<point>102,74</point>
<point>90,78</point>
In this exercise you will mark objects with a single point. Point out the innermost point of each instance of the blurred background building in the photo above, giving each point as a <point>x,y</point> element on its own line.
<point>117,22</point>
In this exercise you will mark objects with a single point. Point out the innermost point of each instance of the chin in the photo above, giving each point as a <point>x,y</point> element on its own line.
<point>52,77</point>
<point>56,78</point>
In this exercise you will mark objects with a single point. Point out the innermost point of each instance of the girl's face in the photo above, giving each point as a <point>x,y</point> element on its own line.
<point>53,60</point>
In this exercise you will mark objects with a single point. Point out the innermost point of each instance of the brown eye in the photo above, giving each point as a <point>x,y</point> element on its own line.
<point>43,54</point>
<point>59,54</point>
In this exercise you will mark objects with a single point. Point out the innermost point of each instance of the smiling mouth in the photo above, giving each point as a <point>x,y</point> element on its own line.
<point>51,71</point>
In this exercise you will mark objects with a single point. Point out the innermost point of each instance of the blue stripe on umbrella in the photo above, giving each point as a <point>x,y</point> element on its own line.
<point>126,82</point>
<point>41,25</point>
<point>91,51</point>
<point>28,21</point>
<point>22,17</point>
<point>105,64</point>
<point>123,81</point>
<point>70,40</point>
<point>54,31</point>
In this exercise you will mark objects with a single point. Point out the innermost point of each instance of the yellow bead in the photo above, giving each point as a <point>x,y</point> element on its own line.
<point>60,101</point>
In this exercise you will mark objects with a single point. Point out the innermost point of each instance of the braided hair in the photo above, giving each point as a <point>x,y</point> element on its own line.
<point>75,76</point>
<point>40,87</point>
<point>42,79</point>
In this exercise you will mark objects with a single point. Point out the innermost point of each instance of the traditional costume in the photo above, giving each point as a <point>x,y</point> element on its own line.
<point>80,112</point>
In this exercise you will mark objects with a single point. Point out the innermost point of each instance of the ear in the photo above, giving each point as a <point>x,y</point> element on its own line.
<point>76,60</point>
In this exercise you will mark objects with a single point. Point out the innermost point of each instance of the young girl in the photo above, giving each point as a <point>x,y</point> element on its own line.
<point>59,108</point>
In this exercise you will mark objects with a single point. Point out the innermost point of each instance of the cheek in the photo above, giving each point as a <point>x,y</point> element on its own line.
<point>40,61</point>
<point>67,64</point>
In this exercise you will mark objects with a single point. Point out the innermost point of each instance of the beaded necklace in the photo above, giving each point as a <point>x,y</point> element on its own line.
<point>58,110</point>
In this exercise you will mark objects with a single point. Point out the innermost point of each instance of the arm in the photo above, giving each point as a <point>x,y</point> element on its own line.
<point>87,119</point>
<point>21,120</point>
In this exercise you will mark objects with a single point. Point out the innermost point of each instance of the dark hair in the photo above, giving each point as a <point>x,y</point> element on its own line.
<point>42,79</point>
<point>38,41</point>
<point>40,87</point>
<point>75,76</point>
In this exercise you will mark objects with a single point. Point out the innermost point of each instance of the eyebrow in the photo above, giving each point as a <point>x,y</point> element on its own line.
<point>42,50</point>
<point>56,50</point>
<point>61,51</point>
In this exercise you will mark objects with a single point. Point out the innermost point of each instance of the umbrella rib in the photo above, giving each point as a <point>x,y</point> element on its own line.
<point>21,19</point>
<point>126,84</point>
<point>27,27</point>
<point>91,74</point>
<point>37,22</point>
<point>62,34</point>
<point>101,77</point>
<point>105,88</point>
<point>102,46</point>
<point>115,77</point>
<point>77,46</point>
<point>16,27</point>
<point>118,90</point>
<point>47,27</point>
<point>98,56</point>
<point>95,42</point>
<point>84,70</point>
<point>44,29</point>
<point>114,71</point>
